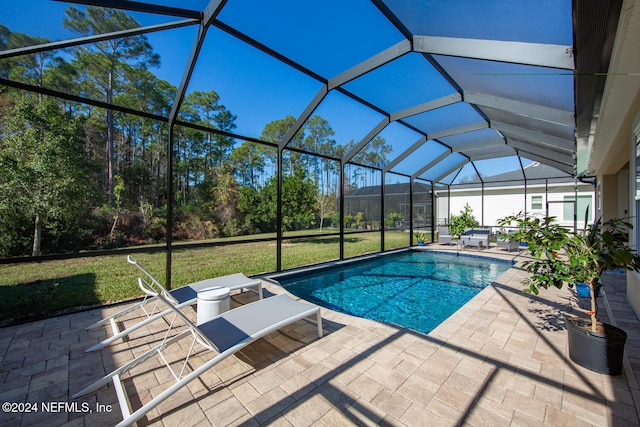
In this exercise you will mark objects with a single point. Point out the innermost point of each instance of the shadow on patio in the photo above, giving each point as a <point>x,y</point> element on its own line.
<point>500,360</point>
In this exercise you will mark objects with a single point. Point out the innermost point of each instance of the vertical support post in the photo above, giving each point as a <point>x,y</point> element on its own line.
<point>524,175</point>
<point>525,197</point>
<point>482,204</point>
<point>383,224</point>
<point>546,196</point>
<point>433,212</point>
<point>448,203</point>
<point>170,197</point>
<point>341,209</point>
<point>575,206</point>
<point>211,11</point>
<point>411,181</point>
<point>279,221</point>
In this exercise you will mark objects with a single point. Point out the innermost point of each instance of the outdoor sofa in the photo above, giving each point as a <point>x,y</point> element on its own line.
<point>477,237</point>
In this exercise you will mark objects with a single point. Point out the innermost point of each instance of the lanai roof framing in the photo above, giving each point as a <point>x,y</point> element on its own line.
<point>533,130</point>
<point>462,82</point>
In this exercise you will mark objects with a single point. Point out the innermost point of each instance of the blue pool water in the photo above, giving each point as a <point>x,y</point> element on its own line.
<point>417,290</point>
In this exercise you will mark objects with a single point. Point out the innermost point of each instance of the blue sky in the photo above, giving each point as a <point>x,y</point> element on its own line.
<point>254,86</point>
<point>260,89</point>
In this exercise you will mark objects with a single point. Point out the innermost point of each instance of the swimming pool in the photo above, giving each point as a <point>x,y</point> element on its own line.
<point>415,289</point>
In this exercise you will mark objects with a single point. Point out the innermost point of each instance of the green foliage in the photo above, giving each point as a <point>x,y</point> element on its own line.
<point>16,236</point>
<point>459,223</point>
<point>374,154</point>
<point>44,174</point>
<point>334,218</point>
<point>249,160</point>
<point>420,236</point>
<point>348,220</point>
<point>118,189</point>
<point>275,132</point>
<point>600,247</point>
<point>325,203</point>
<point>394,218</point>
<point>545,239</point>
<point>220,188</point>
<point>298,203</point>
<point>102,67</point>
<point>218,198</point>
<point>204,108</point>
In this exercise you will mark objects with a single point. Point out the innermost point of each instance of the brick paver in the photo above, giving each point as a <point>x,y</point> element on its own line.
<point>500,360</point>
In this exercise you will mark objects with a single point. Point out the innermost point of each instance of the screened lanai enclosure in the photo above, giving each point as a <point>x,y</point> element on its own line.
<point>272,135</point>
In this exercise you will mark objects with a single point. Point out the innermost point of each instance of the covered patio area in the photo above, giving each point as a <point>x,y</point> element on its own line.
<point>288,123</point>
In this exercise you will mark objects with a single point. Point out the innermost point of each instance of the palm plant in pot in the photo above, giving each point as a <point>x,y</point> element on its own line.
<point>600,247</point>
<point>421,237</point>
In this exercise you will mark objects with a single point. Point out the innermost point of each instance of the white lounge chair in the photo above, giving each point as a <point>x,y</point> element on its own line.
<point>223,335</point>
<point>180,297</point>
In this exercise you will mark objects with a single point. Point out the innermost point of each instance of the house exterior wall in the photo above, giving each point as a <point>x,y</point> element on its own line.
<point>619,186</point>
<point>503,201</point>
<point>633,278</point>
<point>442,207</point>
<point>623,192</point>
<point>609,205</point>
<point>460,198</point>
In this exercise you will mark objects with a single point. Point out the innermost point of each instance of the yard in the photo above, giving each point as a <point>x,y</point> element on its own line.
<point>32,290</point>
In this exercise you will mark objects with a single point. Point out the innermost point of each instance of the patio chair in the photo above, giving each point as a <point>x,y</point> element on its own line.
<point>223,335</point>
<point>444,238</point>
<point>180,297</point>
<point>507,244</point>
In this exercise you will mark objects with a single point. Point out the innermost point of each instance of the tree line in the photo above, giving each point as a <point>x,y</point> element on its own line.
<point>75,177</point>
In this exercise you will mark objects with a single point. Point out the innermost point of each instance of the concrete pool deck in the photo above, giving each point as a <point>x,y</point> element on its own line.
<point>501,360</point>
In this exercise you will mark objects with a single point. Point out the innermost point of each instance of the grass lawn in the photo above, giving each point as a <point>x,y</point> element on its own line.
<point>30,290</point>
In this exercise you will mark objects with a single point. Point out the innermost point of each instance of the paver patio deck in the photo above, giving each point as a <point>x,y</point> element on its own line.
<point>501,360</point>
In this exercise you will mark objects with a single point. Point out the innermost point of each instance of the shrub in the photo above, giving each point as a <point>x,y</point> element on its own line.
<point>459,223</point>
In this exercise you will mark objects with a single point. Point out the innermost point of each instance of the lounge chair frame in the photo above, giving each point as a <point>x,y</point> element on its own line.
<point>224,334</point>
<point>179,297</point>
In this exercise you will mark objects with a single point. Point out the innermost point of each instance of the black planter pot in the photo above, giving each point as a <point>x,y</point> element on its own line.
<point>600,352</point>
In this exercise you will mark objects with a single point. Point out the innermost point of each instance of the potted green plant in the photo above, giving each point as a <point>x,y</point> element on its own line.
<point>459,223</point>
<point>421,237</point>
<point>561,256</point>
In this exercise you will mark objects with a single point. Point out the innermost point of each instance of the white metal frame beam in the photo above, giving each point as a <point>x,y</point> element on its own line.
<point>553,115</point>
<point>453,168</point>
<point>552,142</point>
<point>458,130</point>
<point>364,141</point>
<point>419,143</point>
<point>478,145</point>
<point>426,106</point>
<point>560,166</point>
<point>371,63</point>
<point>566,159</point>
<point>542,55</point>
<point>431,164</point>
